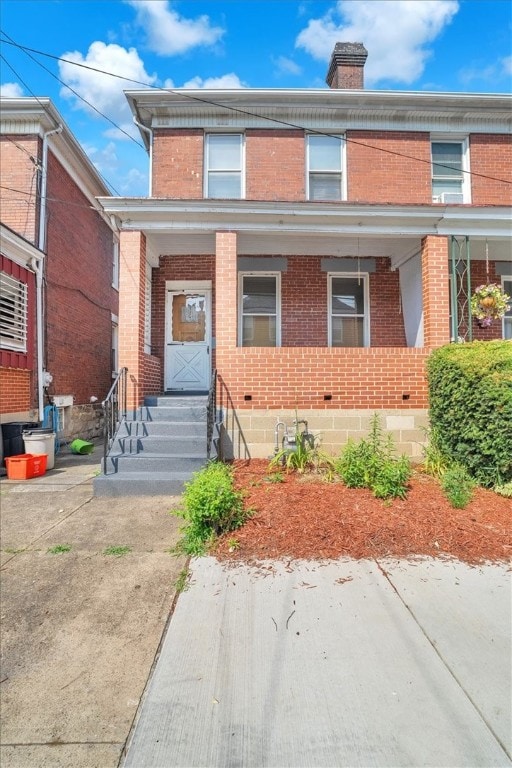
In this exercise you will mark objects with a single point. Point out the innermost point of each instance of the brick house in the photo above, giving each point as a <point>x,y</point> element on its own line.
<point>312,247</point>
<point>58,273</point>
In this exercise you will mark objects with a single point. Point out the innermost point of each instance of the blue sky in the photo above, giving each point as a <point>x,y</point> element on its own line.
<point>428,45</point>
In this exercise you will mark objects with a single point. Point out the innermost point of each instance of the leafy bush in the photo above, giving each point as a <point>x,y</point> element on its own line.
<point>457,486</point>
<point>434,461</point>
<point>504,490</point>
<point>211,506</point>
<point>305,456</point>
<point>470,400</point>
<point>371,463</point>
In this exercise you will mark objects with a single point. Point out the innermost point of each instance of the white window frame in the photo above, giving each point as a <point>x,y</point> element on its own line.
<point>115,345</point>
<point>342,169</point>
<point>208,137</point>
<point>115,264</point>
<point>14,320</point>
<point>365,276</point>
<point>147,309</point>
<point>463,141</point>
<point>507,320</point>
<point>241,276</point>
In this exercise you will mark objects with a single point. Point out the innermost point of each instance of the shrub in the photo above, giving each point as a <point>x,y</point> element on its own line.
<point>370,463</point>
<point>306,455</point>
<point>470,400</point>
<point>211,506</point>
<point>457,486</point>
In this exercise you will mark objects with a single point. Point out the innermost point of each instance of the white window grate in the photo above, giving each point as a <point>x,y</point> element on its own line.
<point>13,313</point>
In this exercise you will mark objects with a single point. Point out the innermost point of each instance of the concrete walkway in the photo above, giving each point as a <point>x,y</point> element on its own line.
<point>80,629</point>
<point>344,664</point>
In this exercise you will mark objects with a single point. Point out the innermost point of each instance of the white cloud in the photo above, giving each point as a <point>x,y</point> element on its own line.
<point>11,90</point>
<point>103,91</point>
<point>507,65</point>
<point>168,33</point>
<point>396,34</point>
<point>494,72</point>
<point>286,66</point>
<point>224,81</point>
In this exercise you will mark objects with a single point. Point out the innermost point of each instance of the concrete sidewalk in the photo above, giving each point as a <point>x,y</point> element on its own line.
<point>341,664</point>
<point>80,629</point>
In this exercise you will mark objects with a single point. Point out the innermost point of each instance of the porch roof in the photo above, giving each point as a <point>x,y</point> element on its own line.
<point>189,226</point>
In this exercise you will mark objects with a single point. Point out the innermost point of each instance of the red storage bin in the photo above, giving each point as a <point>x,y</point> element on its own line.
<point>26,465</point>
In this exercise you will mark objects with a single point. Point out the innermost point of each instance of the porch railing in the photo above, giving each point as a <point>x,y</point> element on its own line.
<point>114,411</point>
<point>211,412</point>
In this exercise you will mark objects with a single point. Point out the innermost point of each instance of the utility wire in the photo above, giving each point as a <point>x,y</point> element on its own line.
<point>239,110</point>
<point>44,108</point>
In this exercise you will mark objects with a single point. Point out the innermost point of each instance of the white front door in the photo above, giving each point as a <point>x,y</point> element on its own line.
<point>188,342</point>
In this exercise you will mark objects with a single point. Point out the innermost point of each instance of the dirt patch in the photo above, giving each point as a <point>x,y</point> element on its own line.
<point>304,517</point>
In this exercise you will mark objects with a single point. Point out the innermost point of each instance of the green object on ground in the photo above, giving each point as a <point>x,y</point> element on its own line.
<point>81,446</point>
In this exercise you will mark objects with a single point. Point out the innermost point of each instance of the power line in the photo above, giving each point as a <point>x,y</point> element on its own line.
<point>249,113</point>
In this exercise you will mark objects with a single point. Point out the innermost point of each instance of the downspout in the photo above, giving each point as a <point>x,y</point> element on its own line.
<point>39,273</point>
<point>150,133</point>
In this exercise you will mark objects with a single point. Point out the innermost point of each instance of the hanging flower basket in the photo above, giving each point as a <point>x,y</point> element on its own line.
<point>489,302</point>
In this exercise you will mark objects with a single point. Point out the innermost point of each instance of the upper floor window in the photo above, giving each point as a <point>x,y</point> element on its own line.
<point>348,310</point>
<point>259,307</point>
<point>507,320</point>
<point>224,163</point>
<point>324,161</point>
<point>13,313</point>
<point>450,166</point>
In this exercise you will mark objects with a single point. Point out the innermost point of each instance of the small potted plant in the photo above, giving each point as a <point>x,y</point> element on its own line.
<point>489,302</point>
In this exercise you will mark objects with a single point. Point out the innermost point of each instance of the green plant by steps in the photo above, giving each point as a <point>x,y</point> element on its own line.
<point>370,463</point>
<point>457,486</point>
<point>435,462</point>
<point>211,506</point>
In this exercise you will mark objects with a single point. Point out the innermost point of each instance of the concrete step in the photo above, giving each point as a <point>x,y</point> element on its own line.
<point>187,445</point>
<point>141,484</point>
<point>153,428</point>
<point>154,463</point>
<point>174,413</point>
<point>176,400</point>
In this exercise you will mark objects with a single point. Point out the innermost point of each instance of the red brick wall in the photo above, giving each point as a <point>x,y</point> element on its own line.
<point>435,281</point>
<point>382,166</point>
<point>376,176</point>
<point>178,164</point>
<point>16,390</point>
<point>79,294</point>
<point>300,377</point>
<point>275,165</point>
<point>491,156</point>
<point>19,199</point>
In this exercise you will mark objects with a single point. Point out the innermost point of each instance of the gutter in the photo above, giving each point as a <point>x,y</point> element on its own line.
<point>39,273</point>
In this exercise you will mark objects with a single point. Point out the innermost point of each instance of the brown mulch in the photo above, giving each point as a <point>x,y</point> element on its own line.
<point>305,517</point>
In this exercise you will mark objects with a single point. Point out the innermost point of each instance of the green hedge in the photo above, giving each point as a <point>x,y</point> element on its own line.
<point>470,400</point>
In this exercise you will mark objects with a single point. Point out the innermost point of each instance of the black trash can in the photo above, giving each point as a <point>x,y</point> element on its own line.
<point>12,437</point>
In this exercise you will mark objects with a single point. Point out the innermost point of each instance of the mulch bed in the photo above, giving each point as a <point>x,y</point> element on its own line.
<point>305,517</point>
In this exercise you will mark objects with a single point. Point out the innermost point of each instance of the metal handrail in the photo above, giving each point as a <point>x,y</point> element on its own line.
<point>211,410</point>
<point>114,411</point>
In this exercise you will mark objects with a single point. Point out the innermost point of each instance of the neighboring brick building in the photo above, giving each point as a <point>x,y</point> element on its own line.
<point>303,243</point>
<point>58,258</point>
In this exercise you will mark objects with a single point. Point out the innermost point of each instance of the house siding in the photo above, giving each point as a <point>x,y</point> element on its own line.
<point>178,164</point>
<point>491,160</point>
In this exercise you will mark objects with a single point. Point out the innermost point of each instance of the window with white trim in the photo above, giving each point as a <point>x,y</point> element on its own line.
<point>259,310</point>
<point>147,310</point>
<point>224,166</point>
<point>450,166</point>
<point>115,346</point>
<point>325,158</point>
<point>115,264</point>
<point>507,320</point>
<point>13,313</point>
<point>349,320</point>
